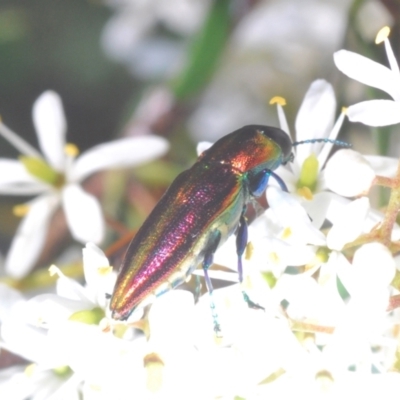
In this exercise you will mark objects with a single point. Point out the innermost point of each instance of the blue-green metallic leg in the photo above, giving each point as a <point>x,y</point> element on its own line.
<point>241,243</point>
<point>208,260</point>
<point>259,182</point>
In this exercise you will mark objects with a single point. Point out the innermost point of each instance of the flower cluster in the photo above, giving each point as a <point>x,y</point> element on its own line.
<point>321,260</point>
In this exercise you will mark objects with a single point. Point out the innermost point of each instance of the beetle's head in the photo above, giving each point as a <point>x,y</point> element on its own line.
<point>252,147</point>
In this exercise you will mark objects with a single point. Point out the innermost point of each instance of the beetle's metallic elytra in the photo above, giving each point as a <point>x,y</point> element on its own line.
<point>201,209</point>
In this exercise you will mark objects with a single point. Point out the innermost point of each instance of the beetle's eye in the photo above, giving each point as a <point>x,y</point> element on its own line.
<point>281,138</point>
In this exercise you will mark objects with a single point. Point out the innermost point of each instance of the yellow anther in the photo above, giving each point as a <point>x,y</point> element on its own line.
<point>53,270</point>
<point>278,100</point>
<point>154,366</point>
<point>71,150</point>
<point>287,232</point>
<point>30,370</point>
<point>382,35</point>
<point>249,251</point>
<point>274,257</point>
<point>305,192</point>
<point>20,210</point>
<point>104,271</point>
<point>344,110</point>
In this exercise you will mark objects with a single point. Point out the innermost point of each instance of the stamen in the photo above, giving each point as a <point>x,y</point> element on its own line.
<point>305,192</point>
<point>53,270</point>
<point>21,210</point>
<point>30,370</point>
<point>382,35</point>
<point>104,271</point>
<point>287,232</point>
<point>71,150</point>
<point>249,251</point>
<point>278,100</point>
<point>154,366</point>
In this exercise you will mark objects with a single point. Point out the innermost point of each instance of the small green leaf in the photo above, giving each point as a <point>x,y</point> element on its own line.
<point>344,294</point>
<point>205,52</point>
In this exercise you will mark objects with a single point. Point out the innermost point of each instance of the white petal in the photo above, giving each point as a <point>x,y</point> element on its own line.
<point>13,171</point>
<point>31,234</point>
<point>315,118</point>
<point>348,223</point>
<point>14,178</point>
<point>371,272</point>
<point>48,309</point>
<point>83,213</point>
<point>348,173</point>
<point>100,277</point>
<point>93,259</point>
<point>384,166</point>
<point>8,299</point>
<point>120,153</point>
<point>375,112</point>
<point>292,215</point>
<point>366,71</point>
<point>376,266</point>
<point>51,127</point>
<point>170,316</point>
<point>317,208</point>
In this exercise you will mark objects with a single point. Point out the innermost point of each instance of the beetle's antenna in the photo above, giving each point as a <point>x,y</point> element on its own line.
<point>336,142</point>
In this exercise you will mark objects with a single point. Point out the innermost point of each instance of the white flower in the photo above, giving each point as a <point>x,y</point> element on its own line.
<point>131,35</point>
<point>346,173</point>
<point>315,120</point>
<point>364,70</point>
<point>348,223</point>
<point>56,177</point>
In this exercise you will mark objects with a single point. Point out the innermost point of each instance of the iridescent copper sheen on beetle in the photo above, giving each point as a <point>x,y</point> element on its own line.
<point>199,211</point>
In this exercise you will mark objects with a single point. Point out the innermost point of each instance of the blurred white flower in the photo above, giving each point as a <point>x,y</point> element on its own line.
<point>56,177</point>
<point>130,36</point>
<point>364,70</point>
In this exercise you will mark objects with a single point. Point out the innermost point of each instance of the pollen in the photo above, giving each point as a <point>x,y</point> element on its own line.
<point>53,270</point>
<point>278,100</point>
<point>71,150</point>
<point>249,251</point>
<point>154,367</point>
<point>20,210</point>
<point>344,110</point>
<point>305,192</point>
<point>287,232</point>
<point>274,257</point>
<point>30,370</point>
<point>104,271</point>
<point>382,35</point>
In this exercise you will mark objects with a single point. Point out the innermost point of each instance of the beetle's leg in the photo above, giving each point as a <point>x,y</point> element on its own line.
<point>259,182</point>
<point>241,243</point>
<point>208,260</point>
<point>280,181</point>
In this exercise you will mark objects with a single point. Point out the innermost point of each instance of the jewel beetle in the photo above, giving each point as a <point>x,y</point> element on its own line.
<point>203,206</point>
